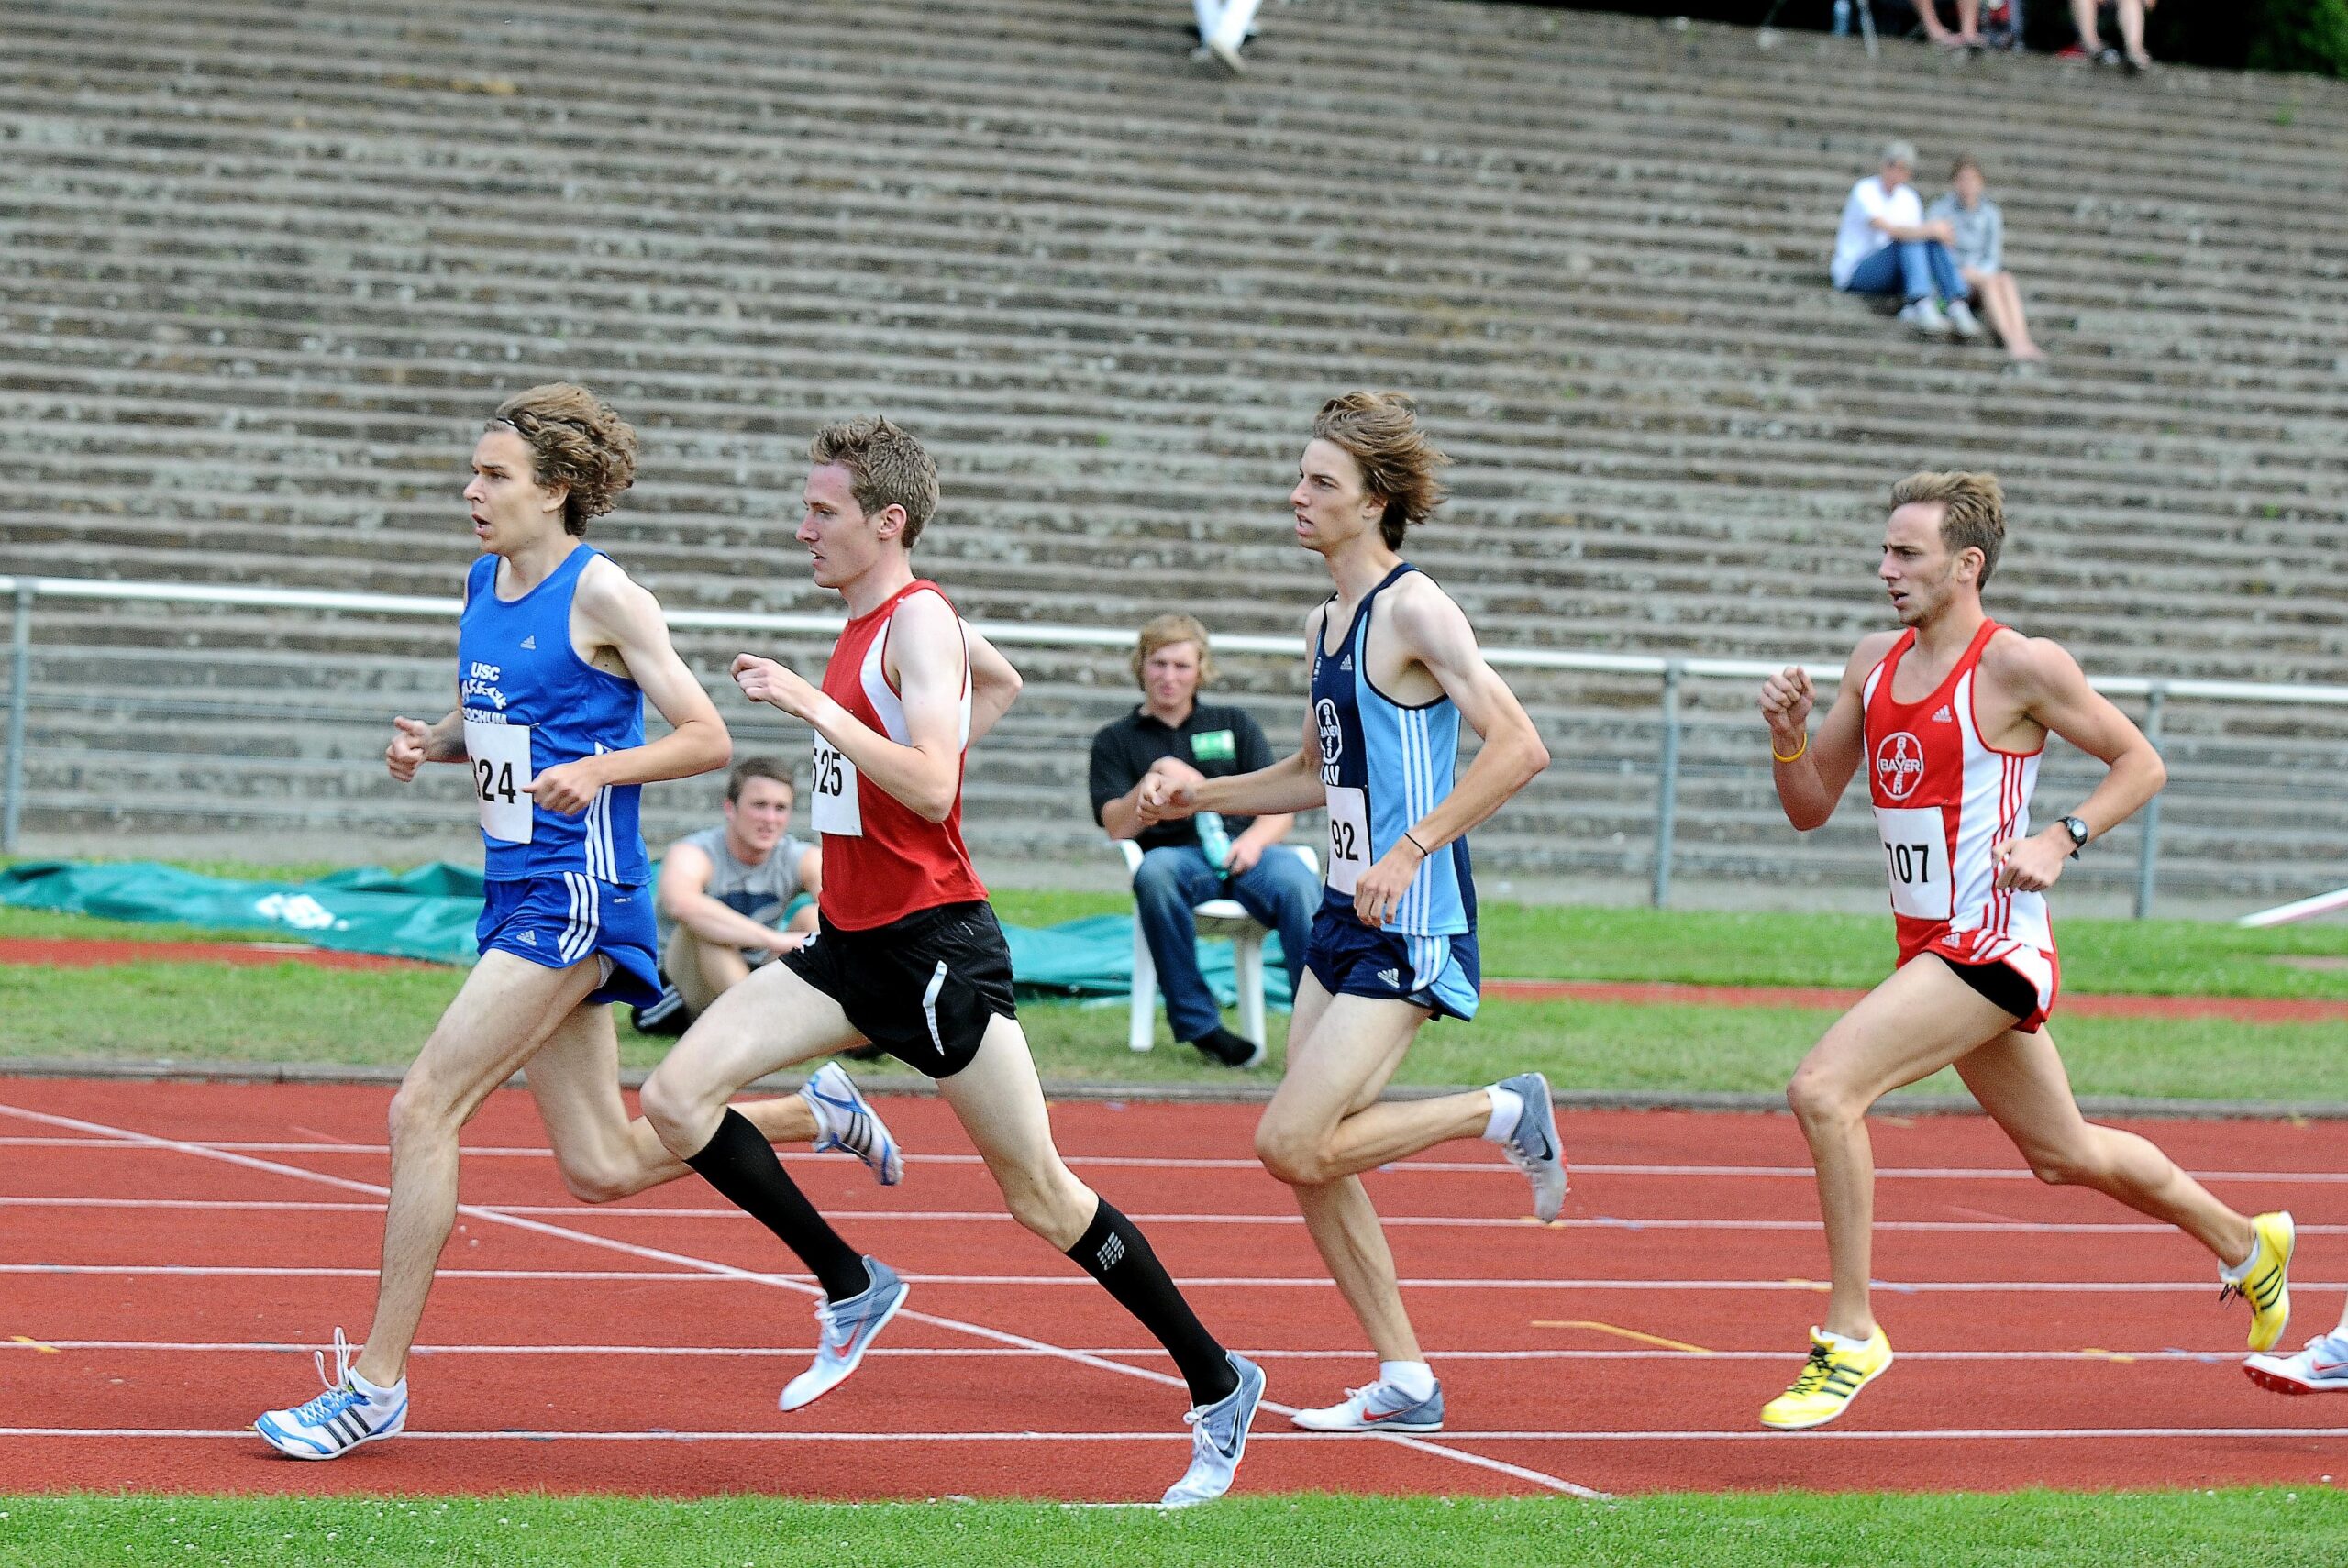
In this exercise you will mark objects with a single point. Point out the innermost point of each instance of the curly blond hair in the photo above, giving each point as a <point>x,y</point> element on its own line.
<point>1381,431</point>
<point>576,440</point>
<point>1164,631</point>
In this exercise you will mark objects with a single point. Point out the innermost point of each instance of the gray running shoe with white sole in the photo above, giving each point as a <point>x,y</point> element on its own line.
<point>1532,1145</point>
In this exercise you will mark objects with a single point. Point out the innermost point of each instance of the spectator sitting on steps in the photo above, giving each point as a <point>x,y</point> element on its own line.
<point>1980,248</point>
<point>735,896</point>
<point>1181,868</point>
<point>1885,246</point>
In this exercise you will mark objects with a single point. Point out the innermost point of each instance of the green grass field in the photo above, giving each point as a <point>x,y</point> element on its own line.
<point>294,1012</point>
<point>2239,1529</point>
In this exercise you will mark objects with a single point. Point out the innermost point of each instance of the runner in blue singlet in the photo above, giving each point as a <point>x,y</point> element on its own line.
<point>1395,667</point>
<point>557,650</point>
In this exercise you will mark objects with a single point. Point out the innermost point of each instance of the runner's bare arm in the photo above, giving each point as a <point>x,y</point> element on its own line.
<point>684,897</point>
<point>1811,785</point>
<point>2047,686</point>
<point>617,617</point>
<point>994,683</point>
<point>926,655</point>
<point>1435,633</point>
<point>416,743</point>
<point>1173,790</point>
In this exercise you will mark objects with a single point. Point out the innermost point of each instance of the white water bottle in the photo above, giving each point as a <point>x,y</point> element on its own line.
<point>1213,841</point>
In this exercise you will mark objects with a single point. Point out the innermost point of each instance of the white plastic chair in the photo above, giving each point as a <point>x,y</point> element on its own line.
<point>1216,917</point>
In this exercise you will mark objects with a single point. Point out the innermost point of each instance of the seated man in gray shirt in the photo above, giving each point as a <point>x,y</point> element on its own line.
<point>1978,247</point>
<point>733,896</point>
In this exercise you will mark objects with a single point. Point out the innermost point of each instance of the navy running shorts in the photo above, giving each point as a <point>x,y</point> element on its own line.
<point>1440,974</point>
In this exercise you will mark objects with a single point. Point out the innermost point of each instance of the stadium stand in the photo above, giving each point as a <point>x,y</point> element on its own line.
<point>270,266</point>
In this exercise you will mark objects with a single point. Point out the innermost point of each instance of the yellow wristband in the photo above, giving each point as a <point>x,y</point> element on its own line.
<point>1799,752</point>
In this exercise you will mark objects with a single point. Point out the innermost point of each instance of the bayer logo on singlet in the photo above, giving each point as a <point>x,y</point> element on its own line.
<point>1332,738</point>
<point>1899,764</point>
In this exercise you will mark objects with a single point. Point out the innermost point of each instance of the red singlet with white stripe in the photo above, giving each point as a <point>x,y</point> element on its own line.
<point>1943,798</point>
<point>882,860</point>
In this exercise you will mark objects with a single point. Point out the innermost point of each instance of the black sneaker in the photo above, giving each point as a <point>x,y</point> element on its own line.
<point>1231,1050</point>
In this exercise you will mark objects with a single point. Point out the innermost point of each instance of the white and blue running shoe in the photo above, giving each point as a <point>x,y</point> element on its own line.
<point>1218,1437</point>
<point>1381,1408</point>
<point>848,1327</point>
<point>847,1120</point>
<point>339,1420</point>
<point>1532,1146</point>
<point>2321,1368</point>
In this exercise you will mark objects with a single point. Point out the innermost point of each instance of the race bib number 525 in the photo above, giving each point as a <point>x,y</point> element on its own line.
<point>837,809</point>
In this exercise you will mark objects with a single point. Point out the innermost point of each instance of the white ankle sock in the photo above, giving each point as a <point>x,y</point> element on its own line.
<point>1507,1107</point>
<point>1412,1379</point>
<point>1842,1342</point>
<point>375,1394</point>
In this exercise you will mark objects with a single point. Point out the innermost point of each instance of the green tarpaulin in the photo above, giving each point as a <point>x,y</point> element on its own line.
<point>428,913</point>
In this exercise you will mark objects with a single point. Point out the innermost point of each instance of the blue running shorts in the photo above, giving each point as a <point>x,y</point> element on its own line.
<point>557,921</point>
<point>1350,959</point>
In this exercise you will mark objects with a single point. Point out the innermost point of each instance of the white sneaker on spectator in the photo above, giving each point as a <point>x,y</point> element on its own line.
<point>1961,319</point>
<point>1925,317</point>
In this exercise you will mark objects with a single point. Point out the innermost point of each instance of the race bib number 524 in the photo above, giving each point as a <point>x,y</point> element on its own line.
<point>501,760</point>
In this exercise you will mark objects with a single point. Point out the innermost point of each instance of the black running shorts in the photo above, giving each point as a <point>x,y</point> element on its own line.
<point>922,988</point>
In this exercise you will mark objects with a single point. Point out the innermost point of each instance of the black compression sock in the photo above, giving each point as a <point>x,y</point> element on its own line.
<point>739,1162</point>
<point>1116,1255</point>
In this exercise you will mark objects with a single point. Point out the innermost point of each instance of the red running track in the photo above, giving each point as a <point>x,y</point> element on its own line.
<point>169,1253</point>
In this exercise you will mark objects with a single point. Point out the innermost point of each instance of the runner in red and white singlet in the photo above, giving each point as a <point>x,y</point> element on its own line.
<point>909,955</point>
<point>1944,799</point>
<point>882,861</point>
<point>1949,718</point>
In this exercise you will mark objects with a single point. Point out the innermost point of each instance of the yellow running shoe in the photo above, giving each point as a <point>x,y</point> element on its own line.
<point>1827,1383</point>
<point>2265,1280</point>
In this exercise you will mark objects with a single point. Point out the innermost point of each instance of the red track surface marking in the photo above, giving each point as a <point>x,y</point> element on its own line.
<point>1012,1411</point>
<point>2244,1009</point>
<point>87,953</point>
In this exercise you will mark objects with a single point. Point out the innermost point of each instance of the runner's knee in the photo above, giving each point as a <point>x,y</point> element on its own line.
<point>1291,1154</point>
<point>1052,1203</point>
<point>597,1181</point>
<point>1817,1096</point>
<point>679,1115</point>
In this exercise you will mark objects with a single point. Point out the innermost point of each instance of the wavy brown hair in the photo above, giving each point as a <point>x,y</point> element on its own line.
<point>577,441</point>
<point>886,468</point>
<point>1381,431</point>
<point>1973,512</point>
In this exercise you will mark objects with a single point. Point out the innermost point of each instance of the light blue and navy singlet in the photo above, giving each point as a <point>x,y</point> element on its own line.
<point>559,888</point>
<point>1384,765</point>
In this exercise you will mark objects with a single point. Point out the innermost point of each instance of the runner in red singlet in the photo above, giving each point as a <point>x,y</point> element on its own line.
<point>908,956</point>
<point>1949,718</point>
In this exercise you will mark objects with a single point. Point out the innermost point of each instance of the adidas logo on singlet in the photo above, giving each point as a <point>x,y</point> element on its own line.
<point>531,642</point>
<point>1346,662</point>
<point>1943,716</point>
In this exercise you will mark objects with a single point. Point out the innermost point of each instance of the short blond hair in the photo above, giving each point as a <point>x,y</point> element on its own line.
<point>1164,632</point>
<point>1381,431</point>
<point>576,440</point>
<point>886,468</point>
<point>1973,512</point>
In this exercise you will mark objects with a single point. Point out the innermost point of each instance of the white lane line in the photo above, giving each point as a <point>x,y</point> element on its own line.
<point>1823,1435</point>
<point>979,1216</point>
<point>977,1330</point>
<point>1145,1353</point>
<point>691,1275</point>
<point>1138,1161</point>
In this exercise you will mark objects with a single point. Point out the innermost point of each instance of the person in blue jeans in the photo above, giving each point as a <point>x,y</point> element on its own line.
<point>1186,863</point>
<point>1884,244</point>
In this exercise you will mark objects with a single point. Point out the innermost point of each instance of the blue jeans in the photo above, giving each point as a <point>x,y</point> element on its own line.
<point>1279,891</point>
<point>1914,269</point>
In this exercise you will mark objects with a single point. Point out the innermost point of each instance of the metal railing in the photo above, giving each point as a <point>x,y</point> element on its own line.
<point>1671,673</point>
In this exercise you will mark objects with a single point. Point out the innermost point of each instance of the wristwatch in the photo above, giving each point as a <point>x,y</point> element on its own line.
<point>2078,828</point>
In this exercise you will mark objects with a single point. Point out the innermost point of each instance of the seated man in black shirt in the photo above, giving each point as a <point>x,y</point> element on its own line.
<point>1186,863</point>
